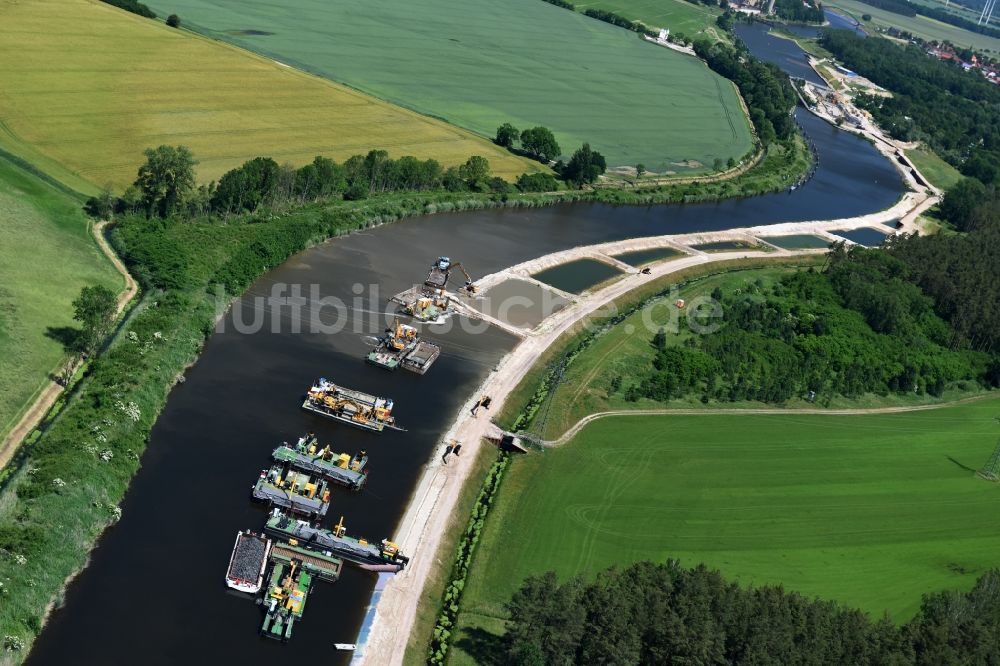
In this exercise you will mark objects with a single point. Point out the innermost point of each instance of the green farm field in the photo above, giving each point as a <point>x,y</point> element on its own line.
<point>869,510</point>
<point>47,254</point>
<point>132,83</point>
<point>479,63</point>
<point>921,26</point>
<point>679,16</point>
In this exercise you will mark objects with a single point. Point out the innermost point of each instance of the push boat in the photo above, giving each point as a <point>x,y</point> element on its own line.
<point>355,408</point>
<point>339,468</point>
<point>293,489</point>
<point>248,562</point>
<point>384,556</point>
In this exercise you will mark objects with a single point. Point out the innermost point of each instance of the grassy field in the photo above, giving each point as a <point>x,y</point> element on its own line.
<point>87,87</point>
<point>679,16</point>
<point>46,255</point>
<point>935,169</point>
<point>870,510</point>
<point>480,63</point>
<point>921,26</point>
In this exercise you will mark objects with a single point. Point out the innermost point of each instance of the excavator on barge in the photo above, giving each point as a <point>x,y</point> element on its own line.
<point>402,347</point>
<point>431,301</point>
<point>355,408</point>
<point>384,556</point>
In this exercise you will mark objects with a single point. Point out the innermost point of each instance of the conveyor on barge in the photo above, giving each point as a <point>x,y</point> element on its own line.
<point>384,556</point>
<point>355,408</point>
<point>339,468</point>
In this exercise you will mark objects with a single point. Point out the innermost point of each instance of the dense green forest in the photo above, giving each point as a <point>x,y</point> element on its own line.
<point>798,11</point>
<point>766,90</point>
<point>957,113</point>
<point>665,614</point>
<point>861,326</point>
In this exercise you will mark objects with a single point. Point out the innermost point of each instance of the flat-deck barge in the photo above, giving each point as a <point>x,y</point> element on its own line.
<point>384,556</point>
<point>340,468</point>
<point>293,489</point>
<point>355,408</point>
<point>421,358</point>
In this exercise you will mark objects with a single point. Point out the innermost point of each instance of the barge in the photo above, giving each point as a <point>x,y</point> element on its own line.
<point>394,346</point>
<point>322,566</point>
<point>355,408</point>
<point>339,468</point>
<point>424,304</point>
<point>384,556</point>
<point>402,347</point>
<point>421,358</point>
<point>248,562</point>
<point>285,599</point>
<point>292,489</point>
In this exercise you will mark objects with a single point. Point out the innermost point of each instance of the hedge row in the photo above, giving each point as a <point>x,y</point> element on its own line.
<point>450,602</point>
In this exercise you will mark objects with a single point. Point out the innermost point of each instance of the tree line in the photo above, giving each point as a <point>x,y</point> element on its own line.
<point>957,113</point>
<point>864,325</point>
<point>584,166</point>
<point>798,11</point>
<point>166,185</point>
<point>766,90</point>
<point>905,8</point>
<point>133,6</point>
<point>665,614</point>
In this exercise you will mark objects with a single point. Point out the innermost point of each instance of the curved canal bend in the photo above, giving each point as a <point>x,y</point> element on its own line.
<point>153,592</point>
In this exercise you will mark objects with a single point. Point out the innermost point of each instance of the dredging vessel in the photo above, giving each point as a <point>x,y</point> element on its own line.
<point>402,347</point>
<point>355,408</point>
<point>424,304</point>
<point>339,468</point>
<point>384,556</point>
<point>293,489</point>
<point>248,562</point>
<point>285,599</point>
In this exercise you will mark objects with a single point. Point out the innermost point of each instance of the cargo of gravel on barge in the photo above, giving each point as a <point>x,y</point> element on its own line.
<point>340,468</point>
<point>355,408</point>
<point>292,489</point>
<point>384,556</point>
<point>248,562</point>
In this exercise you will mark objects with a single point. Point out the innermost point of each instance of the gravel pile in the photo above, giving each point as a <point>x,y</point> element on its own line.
<point>248,559</point>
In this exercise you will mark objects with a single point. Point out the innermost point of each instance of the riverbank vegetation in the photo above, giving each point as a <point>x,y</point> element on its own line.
<point>134,81</point>
<point>872,511</point>
<point>47,254</point>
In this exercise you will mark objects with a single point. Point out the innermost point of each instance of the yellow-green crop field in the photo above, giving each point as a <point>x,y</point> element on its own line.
<point>87,87</point>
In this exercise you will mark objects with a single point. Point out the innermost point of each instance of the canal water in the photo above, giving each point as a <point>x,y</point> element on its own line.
<point>153,592</point>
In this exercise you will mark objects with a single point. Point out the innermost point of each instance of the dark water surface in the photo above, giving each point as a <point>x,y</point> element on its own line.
<point>576,276</point>
<point>796,241</point>
<point>154,593</point>
<point>640,257</point>
<point>864,236</point>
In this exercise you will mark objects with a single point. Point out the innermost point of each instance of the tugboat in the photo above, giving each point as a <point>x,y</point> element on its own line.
<point>382,557</point>
<point>285,600</point>
<point>355,408</point>
<point>339,468</point>
<point>294,490</point>
<point>248,562</point>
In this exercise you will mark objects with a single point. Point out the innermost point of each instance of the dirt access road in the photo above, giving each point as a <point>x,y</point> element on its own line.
<point>43,403</point>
